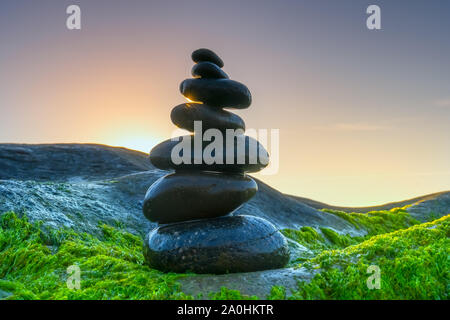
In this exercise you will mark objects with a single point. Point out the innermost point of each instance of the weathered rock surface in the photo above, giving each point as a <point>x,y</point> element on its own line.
<point>255,156</point>
<point>185,196</point>
<point>74,198</point>
<point>80,206</point>
<point>208,70</point>
<point>257,283</point>
<point>204,54</point>
<point>221,245</point>
<point>4,294</point>
<point>222,93</point>
<point>71,198</point>
<point>432,207</point>
<point>422,208</point>
<point>104,184</point>
<point>68,162</point>
<point>185,114</point>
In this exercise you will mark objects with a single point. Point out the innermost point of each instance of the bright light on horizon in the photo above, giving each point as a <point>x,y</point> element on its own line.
<point>131,137</point>
<point>351,132</point>
<point>135,143</point>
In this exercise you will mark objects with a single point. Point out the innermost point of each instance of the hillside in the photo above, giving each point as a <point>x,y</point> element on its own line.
<point>74,203</point>
<point>419,207</point>
<point>70,184</point>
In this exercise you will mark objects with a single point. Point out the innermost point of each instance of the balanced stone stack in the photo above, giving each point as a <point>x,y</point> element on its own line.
<point>194,206</point>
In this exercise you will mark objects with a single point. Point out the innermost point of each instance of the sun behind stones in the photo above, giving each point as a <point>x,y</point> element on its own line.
<point>194,205</point>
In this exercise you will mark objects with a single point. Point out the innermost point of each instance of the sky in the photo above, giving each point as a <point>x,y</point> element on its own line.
<point>363,115</point>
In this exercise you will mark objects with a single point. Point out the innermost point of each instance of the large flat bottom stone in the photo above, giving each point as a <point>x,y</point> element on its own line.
<point>222,245</point>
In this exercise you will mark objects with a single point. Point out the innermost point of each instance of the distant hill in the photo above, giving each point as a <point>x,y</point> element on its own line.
<point>80,186</point>
<point>63,162</point>
<point>77,185</point>
<point>386,206</point>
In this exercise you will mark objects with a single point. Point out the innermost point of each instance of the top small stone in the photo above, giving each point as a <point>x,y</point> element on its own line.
<point>206,55</point>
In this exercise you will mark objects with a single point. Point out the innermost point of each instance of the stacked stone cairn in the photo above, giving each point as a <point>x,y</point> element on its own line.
<point>197,231</point>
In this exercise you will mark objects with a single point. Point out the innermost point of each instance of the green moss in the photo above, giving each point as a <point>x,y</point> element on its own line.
<point>340,241</point>
<point>277,293</point>
<point>377,222</point>
<point>111,267</point>
<point>307,237</point>
<point>316,242</point>
<point>413,259</point>
<point>227,294</point>
<point>414,264</point>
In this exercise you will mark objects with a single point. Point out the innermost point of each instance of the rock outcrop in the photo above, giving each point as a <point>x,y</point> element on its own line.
<point>108,184</point>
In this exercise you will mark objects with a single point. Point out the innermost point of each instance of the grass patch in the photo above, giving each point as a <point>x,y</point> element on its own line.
<point>378,222</point>
<point>307,237</point>
<point>112,267</point>
<point>414,264</point>
<point>227,294</point>
<point>338,240</point>
<point>375,223</point>
<point>413,259</point>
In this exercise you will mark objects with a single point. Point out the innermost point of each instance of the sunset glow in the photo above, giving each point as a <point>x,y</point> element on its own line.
<point>363,117</point>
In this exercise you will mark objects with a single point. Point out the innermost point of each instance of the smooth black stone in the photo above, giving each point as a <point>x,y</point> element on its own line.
<point>223,93</point>
<point>208,70</point>
<point>160,156</point>
<point>203,54</point>
<point>185,196</point>
<point>221,245</point>
<point>185,114</point>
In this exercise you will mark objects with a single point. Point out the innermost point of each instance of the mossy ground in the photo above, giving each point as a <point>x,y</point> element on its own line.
<point>413,264</point>
<point>34,265</point>
<point>374,223</point>
<point>413,259</point>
